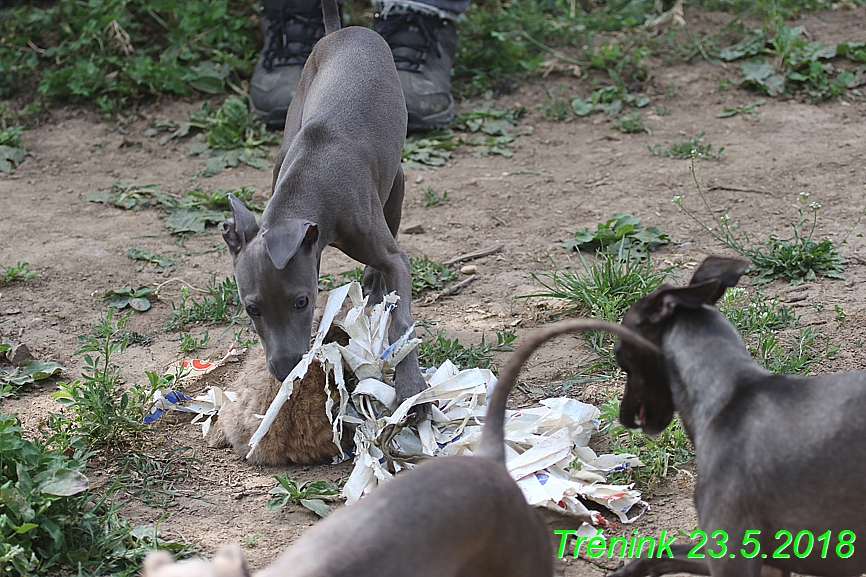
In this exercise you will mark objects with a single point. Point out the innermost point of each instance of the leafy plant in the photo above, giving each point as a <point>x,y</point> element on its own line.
<point>688,149</point>
<point>50,521</point>
<point>330,281</point>
<point>620,234</point>
<point>610,100</point>
<point>748,109</point>
<point>27,373</point>
<point>428,152</point>
<point>431,197</point>
<point>98,409</point>
<point>131,196</point>
<point>136,299</point>
<point>798,259</point>
<point>307,494</point>
<point>493,128</point>
<point>12,151</point>
<point>115,53</point>
<point>435,351</point>
<point>222,304</point>
<point>427,274</point>
<point>669,450</point>
<point>230,135</point>
<point>797,64</point>
<point>16,272</point>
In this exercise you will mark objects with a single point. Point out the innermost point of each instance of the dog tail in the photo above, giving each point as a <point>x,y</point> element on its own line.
<point>332,16</point>
<point>492,443</point>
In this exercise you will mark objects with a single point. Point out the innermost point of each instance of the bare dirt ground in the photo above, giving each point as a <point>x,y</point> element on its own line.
<point>563,176</point>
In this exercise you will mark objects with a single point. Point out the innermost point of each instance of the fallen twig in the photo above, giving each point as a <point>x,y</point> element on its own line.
<point>473,255</point>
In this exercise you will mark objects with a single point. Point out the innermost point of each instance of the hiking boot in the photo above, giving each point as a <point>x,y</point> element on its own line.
<point>291,29</point>
<point>423,46</point>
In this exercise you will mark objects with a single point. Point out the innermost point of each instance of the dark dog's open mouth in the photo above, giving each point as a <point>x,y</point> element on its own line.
<point>640,417</point>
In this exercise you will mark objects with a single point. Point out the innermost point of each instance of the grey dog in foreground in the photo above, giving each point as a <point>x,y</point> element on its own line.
<point>449,517</point>
<point>337,181</point>
<point>781,459</point>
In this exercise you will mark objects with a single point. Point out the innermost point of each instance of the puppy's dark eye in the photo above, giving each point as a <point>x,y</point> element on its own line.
<point>253,310</point>
<point>301,302</point>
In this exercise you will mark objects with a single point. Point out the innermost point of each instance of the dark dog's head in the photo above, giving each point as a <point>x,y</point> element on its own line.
<point>647,401</point>
<point>277,274</point>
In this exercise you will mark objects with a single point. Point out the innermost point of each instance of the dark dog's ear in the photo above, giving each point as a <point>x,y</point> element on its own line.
<point>240,228</point>
<point>662,303</point>
<point>285,238</point>
<point>727,271</point>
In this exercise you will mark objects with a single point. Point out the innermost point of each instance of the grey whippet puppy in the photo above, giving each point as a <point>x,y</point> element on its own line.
<point>781,459</point>
<point>337,181</point>
<point>449,517</point>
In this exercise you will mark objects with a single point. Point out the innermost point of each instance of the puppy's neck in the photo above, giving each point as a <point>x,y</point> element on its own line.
<point>706,360</point>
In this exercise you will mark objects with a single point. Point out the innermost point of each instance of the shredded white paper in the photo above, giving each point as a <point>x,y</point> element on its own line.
<point>546,446</point>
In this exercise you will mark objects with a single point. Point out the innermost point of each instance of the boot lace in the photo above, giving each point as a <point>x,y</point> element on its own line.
<point>291,35</point>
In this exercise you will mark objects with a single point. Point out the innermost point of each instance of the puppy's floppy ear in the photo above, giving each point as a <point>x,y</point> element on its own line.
<point>287,236</point>
<point>727,271</point>
<point>240,228</point>
<point>662,302</point>
<point>230,562</point>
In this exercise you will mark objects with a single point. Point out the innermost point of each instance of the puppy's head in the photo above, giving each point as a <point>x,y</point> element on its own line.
<point>229,562</point>
<point>647,401</point>
<point>277,274</point>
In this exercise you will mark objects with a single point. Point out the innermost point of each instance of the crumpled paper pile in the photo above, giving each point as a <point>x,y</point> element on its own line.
<point>546,446</point>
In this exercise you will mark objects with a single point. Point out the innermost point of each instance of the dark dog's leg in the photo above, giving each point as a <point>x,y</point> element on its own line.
<point>374,284</point>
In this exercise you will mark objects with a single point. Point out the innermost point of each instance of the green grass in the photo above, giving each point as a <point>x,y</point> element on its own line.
<point>797,259</point>
<point>221,304</point>
<point>190,344</point>
<point>438,349</point>
<point>764,321</point>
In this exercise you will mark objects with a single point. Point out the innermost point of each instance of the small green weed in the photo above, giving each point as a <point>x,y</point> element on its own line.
<point>16,272</point>
<point>98,409</point>
<point>307,494</point>
<point>131,196</point>
<point>222,304</point>
<point>629,123</point>
<point>330,281</point>
<point>620,234</point>
<point>155,263</point>
<point>669,450</point>
<point>428,152</point>
<point>154,479</point>
<point>427,274</point>
<point>748,109</point>
<point>189,343</point>
<point>493,129</point>
<point>555,108</point>
<point>250,540</point>
<point>610,100</point>
<point>432,197</point>
<point>797,259</point>
<point>435,351</point>
<point>688,149</point>
<point>137,299</point>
